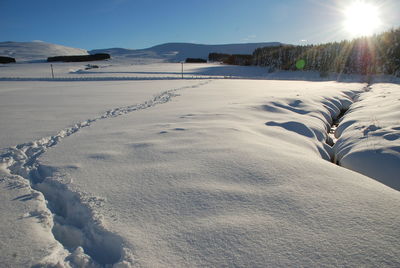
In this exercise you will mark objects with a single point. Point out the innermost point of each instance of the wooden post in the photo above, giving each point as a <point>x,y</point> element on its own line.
<point>52,72</point>
<point>182,69</point>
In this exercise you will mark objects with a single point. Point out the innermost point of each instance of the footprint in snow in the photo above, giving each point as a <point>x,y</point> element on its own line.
<point>391,137</point>
<point>141,145</point>
<point>370,128</point>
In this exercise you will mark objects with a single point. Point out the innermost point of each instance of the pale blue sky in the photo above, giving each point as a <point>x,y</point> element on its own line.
<point>93,24</point>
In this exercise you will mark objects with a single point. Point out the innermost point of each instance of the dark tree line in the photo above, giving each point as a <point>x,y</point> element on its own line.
<point>379,54</point>
<point>220,57</point>
<point>195,60</point>
<point>239,59</point>
<point>235,59</point>
<point>80,58</point>
<point>6,59</point>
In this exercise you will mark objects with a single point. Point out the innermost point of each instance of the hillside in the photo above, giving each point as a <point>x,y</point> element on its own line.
<point>174,52</point>
<point>33,51</point>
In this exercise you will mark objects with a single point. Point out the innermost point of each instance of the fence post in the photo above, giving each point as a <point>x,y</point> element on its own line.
<point>52,72</point>
<point>182,68</point>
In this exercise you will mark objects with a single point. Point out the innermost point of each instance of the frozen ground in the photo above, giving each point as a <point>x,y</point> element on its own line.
<point>198,173</point>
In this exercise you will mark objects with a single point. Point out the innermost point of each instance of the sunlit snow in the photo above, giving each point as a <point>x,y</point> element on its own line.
<point>132,166</point>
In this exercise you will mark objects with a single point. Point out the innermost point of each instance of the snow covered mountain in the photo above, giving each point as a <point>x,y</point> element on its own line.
<point>170,52</point>
<point>174,52</point>
<point>37,50</point>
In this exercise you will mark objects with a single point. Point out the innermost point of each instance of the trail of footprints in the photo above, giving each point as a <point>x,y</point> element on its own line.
<point>69,213</point>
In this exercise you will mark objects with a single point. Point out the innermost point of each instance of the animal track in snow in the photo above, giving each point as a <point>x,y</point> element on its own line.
<point>76,226</point>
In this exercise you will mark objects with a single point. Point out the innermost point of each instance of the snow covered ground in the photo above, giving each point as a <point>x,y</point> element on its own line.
<point>114,69</point>
<point>32,110</point>
<point>117,69</point>
<point>196,172</point>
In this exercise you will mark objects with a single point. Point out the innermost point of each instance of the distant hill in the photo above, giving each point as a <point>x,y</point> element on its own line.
<point>33,51</point>
<point>170,52</point>
<point>174,52</point>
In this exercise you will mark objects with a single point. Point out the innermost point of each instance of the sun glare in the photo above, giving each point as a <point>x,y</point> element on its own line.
<point>362,18</point>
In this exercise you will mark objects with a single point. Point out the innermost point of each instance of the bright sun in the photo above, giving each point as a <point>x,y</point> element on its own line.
<point>362,18</point>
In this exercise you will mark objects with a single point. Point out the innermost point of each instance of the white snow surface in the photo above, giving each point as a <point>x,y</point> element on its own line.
<point>203,172</point>
<point>32,110</point>
<point>36,51</point>
<point>151,69</point>
<point>370,135</point>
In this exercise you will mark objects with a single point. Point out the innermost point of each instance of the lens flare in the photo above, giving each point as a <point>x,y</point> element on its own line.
<point>300,64</point>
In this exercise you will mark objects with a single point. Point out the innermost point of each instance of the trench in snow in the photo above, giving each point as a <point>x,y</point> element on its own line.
<point>331,139</point>
<point>336,120</point>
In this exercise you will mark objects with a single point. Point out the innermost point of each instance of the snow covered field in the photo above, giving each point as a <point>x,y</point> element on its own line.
<point>196,172</point>
<point>119,69</point>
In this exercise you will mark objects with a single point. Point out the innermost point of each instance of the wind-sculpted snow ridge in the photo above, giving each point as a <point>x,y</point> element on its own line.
<point>334,111</point>
<point>360,134</point>
<point>329,111</point>
<point>369,135</point>
<point>73,221</point>
<point>338,111</point>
